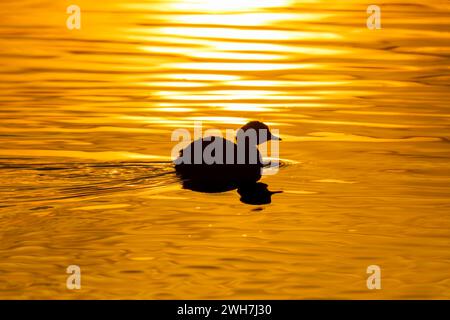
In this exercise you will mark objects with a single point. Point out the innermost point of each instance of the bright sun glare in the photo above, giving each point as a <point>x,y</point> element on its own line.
<point>228,5</point>
<point>210,37</point>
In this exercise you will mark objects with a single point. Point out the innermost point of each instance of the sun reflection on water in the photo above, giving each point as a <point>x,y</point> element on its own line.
<point>86,121</point>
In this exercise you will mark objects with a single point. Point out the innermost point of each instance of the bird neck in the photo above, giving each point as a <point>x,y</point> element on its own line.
<point>248,142</point>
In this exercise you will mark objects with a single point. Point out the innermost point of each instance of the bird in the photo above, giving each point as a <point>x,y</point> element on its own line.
<point>214,164</point>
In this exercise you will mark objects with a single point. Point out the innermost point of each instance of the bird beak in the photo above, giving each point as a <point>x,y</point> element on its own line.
<point>272,137</point>
<point>275,192</point>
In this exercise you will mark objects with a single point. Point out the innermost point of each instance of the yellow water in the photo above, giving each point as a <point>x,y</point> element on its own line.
<point>86,118</point>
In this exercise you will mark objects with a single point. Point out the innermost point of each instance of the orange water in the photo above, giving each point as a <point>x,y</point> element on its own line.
<point>86,118</point>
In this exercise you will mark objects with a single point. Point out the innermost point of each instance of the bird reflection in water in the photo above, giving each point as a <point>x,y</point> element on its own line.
<point>241,174</point>
<point>251,193</point>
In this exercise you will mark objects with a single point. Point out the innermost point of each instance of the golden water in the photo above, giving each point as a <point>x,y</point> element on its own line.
<point>86,118</point>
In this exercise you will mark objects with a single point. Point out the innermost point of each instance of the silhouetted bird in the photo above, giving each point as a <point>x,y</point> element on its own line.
<point>214,164</point>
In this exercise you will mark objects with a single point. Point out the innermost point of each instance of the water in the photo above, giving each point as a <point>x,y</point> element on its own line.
<point>86,118</point>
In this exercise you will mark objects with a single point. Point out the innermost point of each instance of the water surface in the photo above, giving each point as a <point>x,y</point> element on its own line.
<point>87,115</point>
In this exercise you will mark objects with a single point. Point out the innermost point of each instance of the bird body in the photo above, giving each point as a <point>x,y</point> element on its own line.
<point>214,164</point>
<point>223,170</point>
